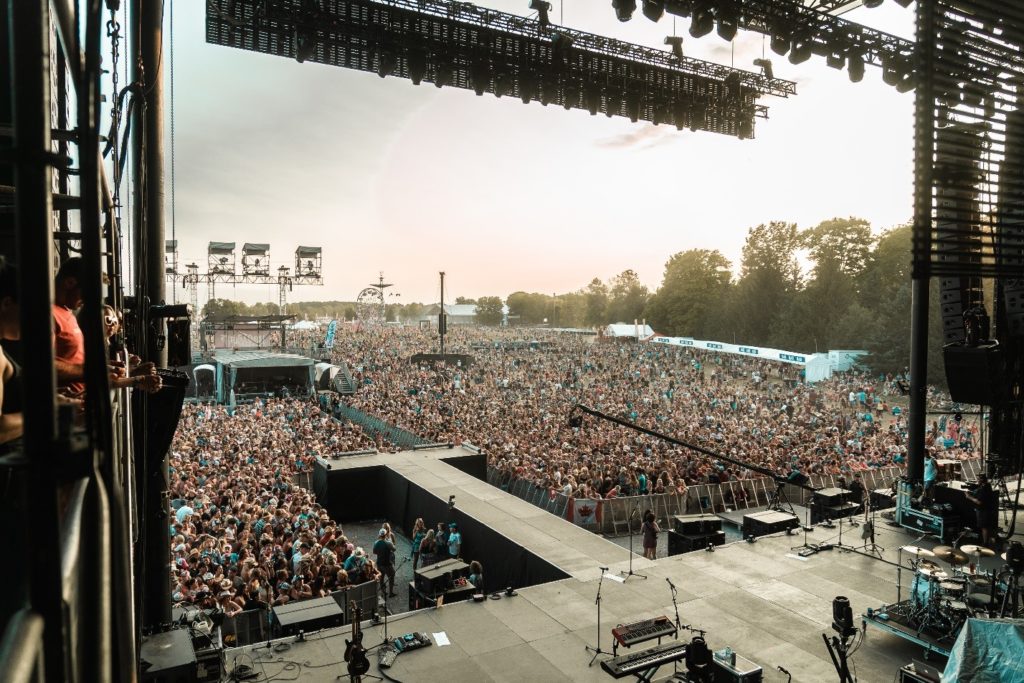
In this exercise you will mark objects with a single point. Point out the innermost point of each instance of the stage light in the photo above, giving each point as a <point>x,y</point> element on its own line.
<point>502,84</point>
<point>624,9</point>
<point>542,11</point>
<point>702,22</point>
<point>799,50</point>
<point>766,67</point>
<point>653,9</point>
<point>571,96</point>
<point>677,46</point>
<point>907,82</point>
<point>305,45</point>
<point>889,75</point>
<point>451,502</point>
<point>836,60</point>
<point>904,3</point>
<point>779,44</point>
<point>560,46</point>
<point>679,8</point>
<point>728,21</point>
<point>681,113</point>
<point>781,34</point>
<point>855,64</point>
<point>842,616</point>
<point>698,116</point>
<point>613,104</point>
<point>416,59</point>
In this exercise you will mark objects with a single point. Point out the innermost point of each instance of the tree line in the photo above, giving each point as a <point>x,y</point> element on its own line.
<point>832,286</point>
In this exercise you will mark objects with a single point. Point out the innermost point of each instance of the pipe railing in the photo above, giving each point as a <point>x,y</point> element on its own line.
<point>21,649</point>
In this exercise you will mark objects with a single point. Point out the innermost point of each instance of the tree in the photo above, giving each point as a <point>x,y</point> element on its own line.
<point>596,297</point>
<point>769,274</point>
<point>488,310</point>
<point>223,307</point>
<point>627,297</point>
<point>464,300</point>
<point>528,308</point>
<point>842,244</point>
<point>696,283</point>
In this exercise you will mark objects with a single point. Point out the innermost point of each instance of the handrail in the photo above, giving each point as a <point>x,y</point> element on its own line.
<point>21,649</point>
<point>71,539</point>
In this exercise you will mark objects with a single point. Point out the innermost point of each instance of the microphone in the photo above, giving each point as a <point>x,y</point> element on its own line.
<point>672,585</point>
<point>604,569</point>
<point>783,670</point>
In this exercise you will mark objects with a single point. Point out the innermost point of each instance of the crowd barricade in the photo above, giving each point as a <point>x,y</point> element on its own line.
<point>614,513</point>
<point>375,426</point>
<point>257,625</point>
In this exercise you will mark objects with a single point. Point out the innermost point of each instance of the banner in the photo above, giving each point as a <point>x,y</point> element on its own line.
<point>584,511</point>
<point>331,329</point>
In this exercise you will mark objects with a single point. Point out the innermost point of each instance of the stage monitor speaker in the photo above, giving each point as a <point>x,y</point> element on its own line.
<point>768,522</point>
<point>976,374</point>
<point>685,543</point>
<point>168,657</point>
<point>696,524</point>
<point>308,615</point>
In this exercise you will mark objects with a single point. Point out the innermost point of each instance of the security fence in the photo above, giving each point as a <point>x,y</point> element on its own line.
<point>614,513</point>
<point>375,425</point>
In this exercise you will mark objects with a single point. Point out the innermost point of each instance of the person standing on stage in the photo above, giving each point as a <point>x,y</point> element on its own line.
<point>419,531</point>
<point>857,491</point>
<point>931,473</point>
<point>454,540</point>
<point>384,549</point>
<point>987,502</point>
<point>649,530</point>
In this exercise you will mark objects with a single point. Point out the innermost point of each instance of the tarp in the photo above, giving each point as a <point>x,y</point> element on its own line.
<point>307,252</point>
<point>255,249</point>
<point>221,247</point>
<point>987,651</point>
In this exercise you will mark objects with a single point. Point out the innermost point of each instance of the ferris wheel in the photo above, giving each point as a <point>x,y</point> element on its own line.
<point>370,307</point>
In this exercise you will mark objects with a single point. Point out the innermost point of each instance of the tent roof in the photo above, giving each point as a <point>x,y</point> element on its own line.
<point>261,359</point>
<point>221,247</point>
<point>255,248</point>
<point>628,330</point>
<point>305,252</point>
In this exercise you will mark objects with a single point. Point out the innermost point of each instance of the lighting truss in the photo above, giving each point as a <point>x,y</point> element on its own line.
<point>808,29</point>
<point>969,141</point>
<point>466,46</point>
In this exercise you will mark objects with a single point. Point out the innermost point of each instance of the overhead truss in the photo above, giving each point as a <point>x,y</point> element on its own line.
<point>466,46</point>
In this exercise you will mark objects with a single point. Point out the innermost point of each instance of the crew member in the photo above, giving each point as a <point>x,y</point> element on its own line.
<point>931,473</point>
<point>987,503</point>
<point>649,529</point>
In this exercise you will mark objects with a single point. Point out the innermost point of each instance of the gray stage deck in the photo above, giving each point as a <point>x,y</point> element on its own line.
<point>761,599</point>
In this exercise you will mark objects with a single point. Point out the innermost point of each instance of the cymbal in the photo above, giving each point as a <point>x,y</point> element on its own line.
<point>950,554</point>
<point>917,550</point>
<point>979,550</point>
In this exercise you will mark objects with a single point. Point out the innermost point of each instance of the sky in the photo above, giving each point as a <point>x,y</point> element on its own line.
<point>413,180</point>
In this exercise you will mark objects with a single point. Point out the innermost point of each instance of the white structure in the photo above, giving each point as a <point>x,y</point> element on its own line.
<point>636,331</point>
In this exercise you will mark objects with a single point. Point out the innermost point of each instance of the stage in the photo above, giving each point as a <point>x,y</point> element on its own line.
<point>763,600</point>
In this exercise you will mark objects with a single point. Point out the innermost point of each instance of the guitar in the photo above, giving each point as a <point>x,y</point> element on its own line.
<point>355,653</point>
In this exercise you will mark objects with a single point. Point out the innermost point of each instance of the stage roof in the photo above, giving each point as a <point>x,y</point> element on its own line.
<point>260,359</point>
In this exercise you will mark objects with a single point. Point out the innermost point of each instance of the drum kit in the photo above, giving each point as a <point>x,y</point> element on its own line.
<point>942,600</point>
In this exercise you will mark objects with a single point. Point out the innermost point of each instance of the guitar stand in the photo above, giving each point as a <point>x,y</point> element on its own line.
<point>597,601</point>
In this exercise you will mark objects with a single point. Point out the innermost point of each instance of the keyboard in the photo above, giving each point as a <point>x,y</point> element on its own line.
<point>642,660</point>
<point>629,635</point>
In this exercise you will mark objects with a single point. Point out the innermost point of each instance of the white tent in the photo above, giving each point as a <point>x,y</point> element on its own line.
<point>305,325</point>
<point>818,367</point>
<point>628,330</point>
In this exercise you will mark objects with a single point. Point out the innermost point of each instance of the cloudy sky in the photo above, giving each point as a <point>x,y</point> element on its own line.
<point>388,176</point>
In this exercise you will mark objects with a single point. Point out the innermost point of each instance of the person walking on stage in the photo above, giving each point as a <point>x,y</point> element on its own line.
<point>384,549</point>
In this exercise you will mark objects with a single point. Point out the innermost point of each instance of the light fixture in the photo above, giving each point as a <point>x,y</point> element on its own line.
<point>835,59</point>
<point>570,96</point>
<point>542,8</point>
<point>653,9</point>
<point>444,70</point>
<point>502,84</point>
<point>386,62</point>
<point>702,22</point>
<point>766,68</point>
<point>728,20</point>
<point>799,50</point>
<point>889,75</point>
<point>613,104</point>
<point>677,45</point>
<point>527,86</point>
<point>592,98</point>
<point>633,105</point>
<point>624,9</point>
<point>480,75</point>
<point>855,64</point>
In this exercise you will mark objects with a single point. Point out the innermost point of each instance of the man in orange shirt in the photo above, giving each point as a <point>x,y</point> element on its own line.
<point>68,341</point>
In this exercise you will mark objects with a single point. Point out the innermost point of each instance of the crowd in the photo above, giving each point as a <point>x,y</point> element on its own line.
<point>515,399</point>
<point>243,535</point>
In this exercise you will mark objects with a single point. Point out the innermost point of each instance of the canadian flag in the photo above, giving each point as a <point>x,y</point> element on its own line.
<point>584,511</point>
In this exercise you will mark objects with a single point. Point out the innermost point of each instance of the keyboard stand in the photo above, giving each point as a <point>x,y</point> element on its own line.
<point>647,675</point>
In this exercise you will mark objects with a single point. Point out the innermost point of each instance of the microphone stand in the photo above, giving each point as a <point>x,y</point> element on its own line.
<point>675,605</point>
<point>629,523</point>
<point>597,601</point>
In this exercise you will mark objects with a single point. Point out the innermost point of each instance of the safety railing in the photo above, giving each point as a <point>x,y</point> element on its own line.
<point>375,425</point>
<point>744,494</point>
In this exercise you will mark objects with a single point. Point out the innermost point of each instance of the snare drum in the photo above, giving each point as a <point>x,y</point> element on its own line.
<point>926,585</point>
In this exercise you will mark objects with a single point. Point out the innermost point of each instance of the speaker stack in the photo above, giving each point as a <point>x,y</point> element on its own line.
<point>694,532</point>
<point>831,503</point>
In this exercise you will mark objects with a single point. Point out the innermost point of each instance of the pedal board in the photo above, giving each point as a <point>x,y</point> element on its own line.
<point>387,657</point>
<point>410,641</point>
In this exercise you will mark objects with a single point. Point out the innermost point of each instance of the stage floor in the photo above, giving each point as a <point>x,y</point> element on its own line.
<point>763,600</point>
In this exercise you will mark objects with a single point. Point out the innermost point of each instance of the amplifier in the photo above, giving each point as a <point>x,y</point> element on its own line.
<point>696,524</point>
<point>685,543</point>
<point>768,522</point>
<point>308,615</point>
<point>170,657</point>
<point>437,578</point>
<point>830,497</point>
<point>882,498</point>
